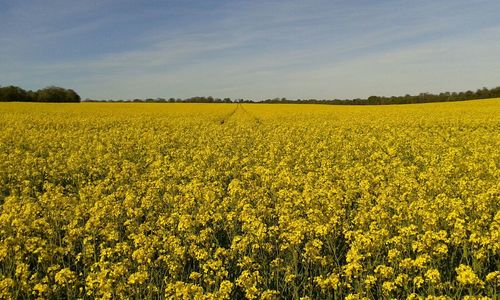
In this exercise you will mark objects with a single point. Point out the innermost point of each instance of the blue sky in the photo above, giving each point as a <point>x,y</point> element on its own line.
<point>125,49</point>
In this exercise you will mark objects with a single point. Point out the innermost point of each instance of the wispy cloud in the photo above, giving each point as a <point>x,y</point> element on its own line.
<point>254,49</point>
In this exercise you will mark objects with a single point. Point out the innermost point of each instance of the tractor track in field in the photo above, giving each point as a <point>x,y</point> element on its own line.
<point>251,115</point>
<point>226,118</point>
<point>242,110</point>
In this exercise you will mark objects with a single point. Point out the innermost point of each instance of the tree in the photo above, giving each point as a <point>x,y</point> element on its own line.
<point>13,94</point>
<point>56,94</point>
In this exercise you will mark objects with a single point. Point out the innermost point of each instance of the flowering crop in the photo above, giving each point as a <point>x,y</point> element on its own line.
<point>232,201</point>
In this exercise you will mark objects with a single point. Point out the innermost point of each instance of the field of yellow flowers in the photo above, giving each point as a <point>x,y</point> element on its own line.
<point>250,201</point>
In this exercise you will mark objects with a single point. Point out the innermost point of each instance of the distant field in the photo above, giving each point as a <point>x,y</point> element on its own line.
<point>257,201</point>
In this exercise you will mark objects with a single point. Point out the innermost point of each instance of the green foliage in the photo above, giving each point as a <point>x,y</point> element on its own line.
<point>57,94</point>
<point>13,93</point>
<point>483,93</point>
<point>48,94</point>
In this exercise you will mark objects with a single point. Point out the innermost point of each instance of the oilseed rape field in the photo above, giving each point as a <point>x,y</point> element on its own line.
<point>249,201</point>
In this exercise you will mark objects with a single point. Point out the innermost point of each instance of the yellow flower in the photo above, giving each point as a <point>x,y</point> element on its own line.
<point>388,287</point>
<point>6,285</point>
<point>393,255</point>
<point>418,281</point>
<point>384,272</point>
<point>466,276</point>
<point>370,280</point>
<point>433,276</point>
<point>493,278</point>
<point>217,201</point>
<point>331,282</point>
<point>65,276</point>
<point>138,277</point>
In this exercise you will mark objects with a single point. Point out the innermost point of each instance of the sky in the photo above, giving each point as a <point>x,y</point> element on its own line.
<point>255,49</point>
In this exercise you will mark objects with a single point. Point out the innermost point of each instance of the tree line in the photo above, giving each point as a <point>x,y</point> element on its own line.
<point>58,94</point>
<point>483,93</point>
<point>48,94</point>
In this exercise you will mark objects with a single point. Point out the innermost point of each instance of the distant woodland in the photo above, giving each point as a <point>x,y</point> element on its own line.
<point>483,93</point>
<point>48,94</point>
<point>58,94</point>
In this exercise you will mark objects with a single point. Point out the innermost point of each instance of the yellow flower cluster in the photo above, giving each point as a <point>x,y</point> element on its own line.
<point>235,201</point>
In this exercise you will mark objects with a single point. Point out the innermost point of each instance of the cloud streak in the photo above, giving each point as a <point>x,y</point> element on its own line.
<point>255,49</point>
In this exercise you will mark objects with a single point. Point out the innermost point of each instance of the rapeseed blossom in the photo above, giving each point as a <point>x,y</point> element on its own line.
<point>148,201</point>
